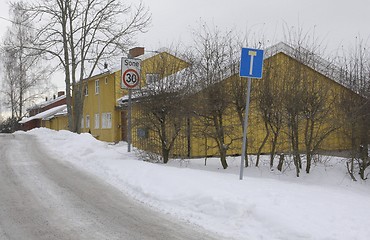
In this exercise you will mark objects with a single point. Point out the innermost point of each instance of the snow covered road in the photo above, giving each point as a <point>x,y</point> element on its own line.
<point>42,198</point>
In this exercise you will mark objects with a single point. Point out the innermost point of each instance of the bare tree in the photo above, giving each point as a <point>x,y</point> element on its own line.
<point>276,110</point>
<point>264,105</point>
<point>319,116</point>
<point>24,71</point>
<point>238,88</point>
<point>269,99</point>
<point>214,54</point>
<point>266,97</point>
<point>9,84</point>
<point>355,72</point>
<point>293,106</point>
<point>308,102</point>
<point>163,103</point>
<point>82,35</point>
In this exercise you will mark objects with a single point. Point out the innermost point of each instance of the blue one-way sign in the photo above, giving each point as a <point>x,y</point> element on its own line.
<point>251,63</point>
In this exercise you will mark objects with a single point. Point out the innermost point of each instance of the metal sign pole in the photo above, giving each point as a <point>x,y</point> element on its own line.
<point>130,70</point>
<point>245,130</point>
<point>129,121</point>
<point>251,66</point>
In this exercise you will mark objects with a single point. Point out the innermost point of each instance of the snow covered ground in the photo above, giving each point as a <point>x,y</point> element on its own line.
<point>325,204</point>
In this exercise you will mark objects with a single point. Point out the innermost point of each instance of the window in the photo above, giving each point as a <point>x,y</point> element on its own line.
<point>152,78</point>
<point>87,121</point>
<point>97,121</point>
<point>97,86</point>
<point>142,132</point>
<point>106,120</point>
<point>82,122</point>
<point>86,90</point>
<point>109,120</point>
<point>106,80</point>
<point>103,120</point>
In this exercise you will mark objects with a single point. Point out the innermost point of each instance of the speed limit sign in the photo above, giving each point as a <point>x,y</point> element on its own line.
<point>130,69</point>
<point>130,78</point>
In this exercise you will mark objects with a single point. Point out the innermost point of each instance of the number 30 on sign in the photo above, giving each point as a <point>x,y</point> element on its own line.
<point>130,73</point>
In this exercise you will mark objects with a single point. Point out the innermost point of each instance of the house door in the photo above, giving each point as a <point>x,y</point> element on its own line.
<point>124,125</point>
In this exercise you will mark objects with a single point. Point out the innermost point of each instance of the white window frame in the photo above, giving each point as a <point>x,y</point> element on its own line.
<point>97,87</point>
<point>97,121</point>
<point>106,120</point>
<point>109,120</point>
<point>87,121</point>
<point>103,120</point>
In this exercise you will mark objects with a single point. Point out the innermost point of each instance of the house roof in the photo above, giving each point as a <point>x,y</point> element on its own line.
<point>307,58</point>
<point>47,103</point>
<point>300,54</point>
<point>48,114</point>
<point>174,81</point>
<point>312,60</point>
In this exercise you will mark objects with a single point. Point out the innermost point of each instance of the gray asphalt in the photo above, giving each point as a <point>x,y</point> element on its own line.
<point>43,198</point>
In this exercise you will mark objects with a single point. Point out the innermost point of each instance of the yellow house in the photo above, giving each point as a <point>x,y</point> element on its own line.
<point>287,78</point>
<point>291,82</point>
<point>50,114</point>
<point>103,116</point>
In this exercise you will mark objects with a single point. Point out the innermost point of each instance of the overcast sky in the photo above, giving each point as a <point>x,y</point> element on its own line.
<point>337,22</point>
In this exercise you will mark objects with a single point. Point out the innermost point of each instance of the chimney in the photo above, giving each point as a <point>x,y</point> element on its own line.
<point>135,52</point>
<point>61,93</point>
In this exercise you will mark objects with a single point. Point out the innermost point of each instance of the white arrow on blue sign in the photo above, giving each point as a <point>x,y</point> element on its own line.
<point>251,63</point>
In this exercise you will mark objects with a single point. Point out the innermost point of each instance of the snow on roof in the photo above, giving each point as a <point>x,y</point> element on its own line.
<point>46,115</point>
<point>173,82</point>
<point>300,54</point>
<point>312,60</point>
<point>307,58</point>
<point>47,103</point>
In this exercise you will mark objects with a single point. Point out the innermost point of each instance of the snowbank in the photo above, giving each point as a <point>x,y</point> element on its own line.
<point>265,205</point>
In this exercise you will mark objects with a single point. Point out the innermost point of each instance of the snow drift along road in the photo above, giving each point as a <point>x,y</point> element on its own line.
<point>325,204</point>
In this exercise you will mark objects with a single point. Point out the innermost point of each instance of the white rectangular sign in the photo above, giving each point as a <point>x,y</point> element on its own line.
<point>130,73</point>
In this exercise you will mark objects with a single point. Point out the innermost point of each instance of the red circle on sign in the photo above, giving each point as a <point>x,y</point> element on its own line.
<point>130,78</point>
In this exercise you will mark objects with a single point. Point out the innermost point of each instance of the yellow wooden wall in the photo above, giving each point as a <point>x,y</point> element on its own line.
<point>57,123</point>
<point>336,141</point>
<point>276,67</point>
<point>164,64</point>
<point>280,68</point>
<point>103,102</point>
<point>110,92</point>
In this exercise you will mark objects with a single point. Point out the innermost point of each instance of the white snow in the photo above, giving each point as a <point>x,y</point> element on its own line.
<point>48,114</point>
<point>324,204</point>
